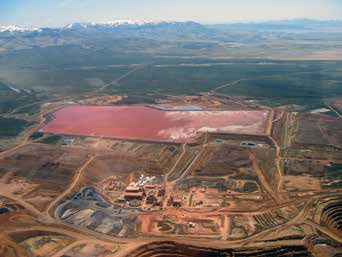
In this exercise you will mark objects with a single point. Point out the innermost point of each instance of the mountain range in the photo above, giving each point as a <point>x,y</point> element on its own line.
<point>110,26</point>
<point>187,26</point>
<point>132,24</point>
<point>16,29</point>
<point>130,35</point>
<point>290,24</point>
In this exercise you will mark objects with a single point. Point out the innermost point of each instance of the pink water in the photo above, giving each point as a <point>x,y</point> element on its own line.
<point>144,123</point>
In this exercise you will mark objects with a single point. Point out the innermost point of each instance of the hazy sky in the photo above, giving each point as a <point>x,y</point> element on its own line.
<point>61,12</point>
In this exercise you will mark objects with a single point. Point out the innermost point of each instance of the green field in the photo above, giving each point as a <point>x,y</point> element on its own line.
<point>70,71</point>
<point>277,83</point>
<point>51,140</point>
<point>12,127</point>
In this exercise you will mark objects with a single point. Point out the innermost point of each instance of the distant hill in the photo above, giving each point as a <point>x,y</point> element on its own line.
<point>116,27</point>
<point>76,32</point>
<point>132,25</point>
<point>16,29</point>
<point>164,37</point>
<point>172,28</point>
<point>295,24</point>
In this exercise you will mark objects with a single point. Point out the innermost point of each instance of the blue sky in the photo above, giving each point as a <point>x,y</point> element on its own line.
<point>61,12</point>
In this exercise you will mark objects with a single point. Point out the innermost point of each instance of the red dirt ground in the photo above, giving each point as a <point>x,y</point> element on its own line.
<point>144,123</point>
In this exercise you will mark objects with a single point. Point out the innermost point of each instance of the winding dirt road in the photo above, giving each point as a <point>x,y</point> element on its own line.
<point>72,185</point>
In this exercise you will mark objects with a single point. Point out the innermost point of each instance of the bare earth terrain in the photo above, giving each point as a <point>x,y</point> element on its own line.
<point>134,180</point>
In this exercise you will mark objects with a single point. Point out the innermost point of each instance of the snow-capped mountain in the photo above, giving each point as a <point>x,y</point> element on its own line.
<point>13,29</point>
<point>115,23</point>
<point>119,26</point>
<point>116,28</point>
<point>128,24</point>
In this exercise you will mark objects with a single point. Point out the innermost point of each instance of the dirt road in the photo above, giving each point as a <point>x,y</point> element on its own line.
<point>72,185</point>
<point>116,81</point>
<point>176,163</point>
<point>77,243</point>
<point>262,179</point>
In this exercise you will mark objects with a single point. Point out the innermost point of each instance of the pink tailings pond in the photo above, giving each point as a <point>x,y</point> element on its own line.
<point>145,123</point>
